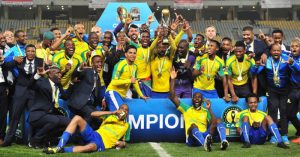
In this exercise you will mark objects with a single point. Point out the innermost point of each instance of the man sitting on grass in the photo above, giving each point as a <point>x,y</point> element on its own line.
<point>110,134</point>
<point>252,123</point>
<point>196,119</point>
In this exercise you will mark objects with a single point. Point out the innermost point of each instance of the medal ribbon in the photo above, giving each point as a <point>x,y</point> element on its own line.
<point>240,70</point>
<point>209,69</point>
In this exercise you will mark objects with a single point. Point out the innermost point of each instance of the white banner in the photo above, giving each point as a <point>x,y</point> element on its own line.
<point>99,3</point>
<point>17,2</point>
<point>276,4</point>
<point>188,4</point>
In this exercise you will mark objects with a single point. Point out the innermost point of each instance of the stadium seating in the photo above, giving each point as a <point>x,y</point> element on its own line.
<point>229,28</point>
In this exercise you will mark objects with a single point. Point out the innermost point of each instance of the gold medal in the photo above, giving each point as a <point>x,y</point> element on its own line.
<point>159,75</point>
<point>239,78</point>
<point>276,80</point>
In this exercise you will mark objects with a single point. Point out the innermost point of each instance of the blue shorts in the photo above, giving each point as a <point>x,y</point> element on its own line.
<point>192,141</point>
<point>91,136</point>
<point>206,93</point>
<point>160,95</point>
<point>113,100</point>
<point>257,136</point>
<point>146,90</point>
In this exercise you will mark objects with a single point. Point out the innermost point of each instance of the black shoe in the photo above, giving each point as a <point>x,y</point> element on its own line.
<point>207,143</point>
<point>224,145</point>
<point>282,145</point>
<point>5,144</point>
<point>246,145</point>
<point>53,150</point>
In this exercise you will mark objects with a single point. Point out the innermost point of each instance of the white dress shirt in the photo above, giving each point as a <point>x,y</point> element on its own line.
<point>27,64</point>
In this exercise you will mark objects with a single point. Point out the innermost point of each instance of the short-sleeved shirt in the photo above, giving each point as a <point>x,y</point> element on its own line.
<point>257,116</point>
<point>61,60</point>
<point>143,62</point>
<point>112,130</point>
<point>206,81</point>
<point>191,116</point>
<point>233,66</point>
<point>160,82</point>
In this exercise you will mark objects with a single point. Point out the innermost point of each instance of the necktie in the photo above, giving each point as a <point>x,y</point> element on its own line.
<point>96,89</point>
<point>30,68</point>
<point>96,84</point>
<point>56,96</point>
<point>248,47</point>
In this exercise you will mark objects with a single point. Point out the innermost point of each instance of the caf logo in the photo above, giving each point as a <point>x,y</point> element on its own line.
<point>230,113</point>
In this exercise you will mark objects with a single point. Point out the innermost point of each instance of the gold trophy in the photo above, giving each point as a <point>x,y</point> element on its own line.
<point>122,12</point>
<point>165,22</point>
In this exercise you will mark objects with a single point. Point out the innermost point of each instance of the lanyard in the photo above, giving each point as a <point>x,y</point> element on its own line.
<point>69,59</point>
<point>161,64</point>
<point>55,95</point>
<point>240,70</point>
<point>20,52</point>
<point>275,70</point>
<point>210,69</point>
<point>144,55</point>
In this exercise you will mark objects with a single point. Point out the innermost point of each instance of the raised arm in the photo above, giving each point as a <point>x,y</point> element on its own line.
<point>56,44</point>
<point>173,96</point>
<point>103,113</point>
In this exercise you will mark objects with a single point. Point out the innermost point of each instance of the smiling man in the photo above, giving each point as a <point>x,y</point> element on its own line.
<point>124,75</point>
<point>86,94</point>
<point>205,71</point>
<point>111,133</point>
<point>45,117</point>
<point>197,119</point>
<point>67,61</point>
<point>277,70</point>
<point>239,66</point>
<point>24,93</point>
<point>253,125</point>
<point>294,94</point>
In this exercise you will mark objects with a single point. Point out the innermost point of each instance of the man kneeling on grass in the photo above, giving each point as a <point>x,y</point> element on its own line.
<point>196,119</point>
<point>112,129</point>
<point>253,125</point>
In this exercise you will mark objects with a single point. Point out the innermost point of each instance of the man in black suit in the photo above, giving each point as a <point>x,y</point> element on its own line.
<point>3,97</point>
<point>258,50</point>
<point>44,116</point>
<point>24,93</point>
<point>85,94</point>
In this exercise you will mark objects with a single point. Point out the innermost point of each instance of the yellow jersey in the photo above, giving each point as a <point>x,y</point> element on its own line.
<point>112,130</point>
<point>44,54</point>
<point>234,68</point>
<point>206,81</point>
<point>257,116</point>
<point>160,69</point>
<point>80,46</point>
<point>191,116</point>
<point>143,57</point>
<point>121,78</point>
<point>61,60</point>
